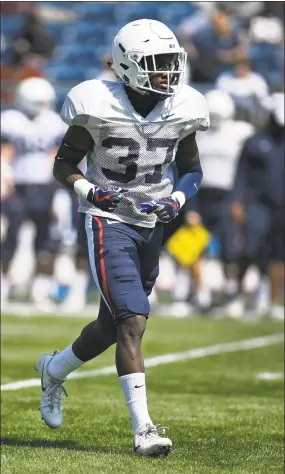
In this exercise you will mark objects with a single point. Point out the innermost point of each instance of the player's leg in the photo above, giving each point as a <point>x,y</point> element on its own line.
<point>73,294</point>
<point>119,251</point>
<point>147,438</point>
<point>97,336</point>
<point>14,211</point>
<point>254,233</point>
<point>276,266</point>
<point>94,339</point>
<point>39,203</point>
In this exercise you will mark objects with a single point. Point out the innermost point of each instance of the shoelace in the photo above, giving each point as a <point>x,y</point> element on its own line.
<point>54,395</point>
<point>153,431</point>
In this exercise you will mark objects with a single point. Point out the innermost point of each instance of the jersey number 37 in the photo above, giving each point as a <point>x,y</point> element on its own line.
<point>130,160</point>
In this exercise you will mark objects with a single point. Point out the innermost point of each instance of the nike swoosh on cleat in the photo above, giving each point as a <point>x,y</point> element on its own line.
<point>138,386</point>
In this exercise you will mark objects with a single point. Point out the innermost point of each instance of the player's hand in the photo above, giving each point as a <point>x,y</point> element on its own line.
<point>166,209</point>
<point>105,198</point>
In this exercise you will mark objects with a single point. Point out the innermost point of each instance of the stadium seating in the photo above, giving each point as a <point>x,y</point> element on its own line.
<point>82,42</point>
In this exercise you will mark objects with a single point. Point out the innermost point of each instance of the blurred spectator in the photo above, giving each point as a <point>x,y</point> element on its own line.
<point>33,45</point>
<point>266,50</point>
<point>247,89</point>
<point>258,206</point>
<point>107,74</point>
<point>29,135</point>
<point>213,44</point>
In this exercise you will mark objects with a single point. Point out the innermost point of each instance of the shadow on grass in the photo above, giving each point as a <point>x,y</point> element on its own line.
<point>64,444</point>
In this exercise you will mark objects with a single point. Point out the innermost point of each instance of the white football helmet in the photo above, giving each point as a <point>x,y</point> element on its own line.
<point>34,95</point>
<point>221,107</point>
<point>137,51</point>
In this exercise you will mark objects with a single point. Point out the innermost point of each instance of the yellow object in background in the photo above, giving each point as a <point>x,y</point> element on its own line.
<point>187,244</point>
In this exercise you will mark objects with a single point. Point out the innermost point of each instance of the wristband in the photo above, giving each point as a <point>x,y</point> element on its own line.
<point>82,187</point>
<point>180,196</point>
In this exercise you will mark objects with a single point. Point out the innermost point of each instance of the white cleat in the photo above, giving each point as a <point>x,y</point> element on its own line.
<point>149,443</point>
<point>51,400</point>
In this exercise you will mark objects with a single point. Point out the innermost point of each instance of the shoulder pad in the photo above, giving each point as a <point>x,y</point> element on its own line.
<point>11,122</point>
<point>88,99</point>
<point>191,105</point>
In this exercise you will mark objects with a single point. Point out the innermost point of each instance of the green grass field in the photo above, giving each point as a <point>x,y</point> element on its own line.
<point>221,419</point>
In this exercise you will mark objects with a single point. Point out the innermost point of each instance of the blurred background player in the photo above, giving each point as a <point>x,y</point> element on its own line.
<point>258,207</point>
<point>220,148</point>
<point>29,134</point>
<point>71,290</point>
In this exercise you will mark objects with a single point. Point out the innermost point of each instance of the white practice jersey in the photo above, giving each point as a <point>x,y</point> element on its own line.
<point>33,141</point>
<point>219,151</point>
<point>131,151</point>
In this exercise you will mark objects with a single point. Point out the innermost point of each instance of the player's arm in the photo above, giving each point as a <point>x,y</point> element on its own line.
<point>7,154</point>
<point>7,148</point>
<point>74,146</point>
<point>190,178</point>
<point>239,191</point>
<point>189,169</point>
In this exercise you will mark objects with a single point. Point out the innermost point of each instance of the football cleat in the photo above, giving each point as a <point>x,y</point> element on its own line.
<point>149,443</point>
<point>51,399</point>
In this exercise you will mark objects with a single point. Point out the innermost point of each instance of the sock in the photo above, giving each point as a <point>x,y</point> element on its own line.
<point>5,288</point>
<point>230,287</point>
<point>41,287</point>
<point>63,364</point>
<point>134,389</point>
<point>203,297</point>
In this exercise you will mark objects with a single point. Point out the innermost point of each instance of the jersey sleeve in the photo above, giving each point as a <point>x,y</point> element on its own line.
<point>8,127</point>
<point>201,120</point>
<point>72,113</point>
<point>83,102</point>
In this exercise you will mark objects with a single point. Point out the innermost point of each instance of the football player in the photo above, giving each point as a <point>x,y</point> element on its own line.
<point>258,207</point>
<point>29,134</point>
<point>131,131</point>
<point>220,149</point>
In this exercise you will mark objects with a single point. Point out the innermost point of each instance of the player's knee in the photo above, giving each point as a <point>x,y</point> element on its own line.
<point>131,329</point>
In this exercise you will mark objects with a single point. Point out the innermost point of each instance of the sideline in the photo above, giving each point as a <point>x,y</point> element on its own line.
<point>244,345</point>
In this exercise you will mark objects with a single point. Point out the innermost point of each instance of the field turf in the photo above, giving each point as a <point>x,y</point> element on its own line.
<point>221,419</point>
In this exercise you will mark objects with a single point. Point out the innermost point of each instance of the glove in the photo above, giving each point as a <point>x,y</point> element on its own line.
<point>166,209</point>
<point>105,198</point>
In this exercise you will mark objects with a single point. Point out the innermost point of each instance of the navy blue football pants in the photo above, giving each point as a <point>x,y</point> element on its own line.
<point>124,261</point>
<point>30,202</point>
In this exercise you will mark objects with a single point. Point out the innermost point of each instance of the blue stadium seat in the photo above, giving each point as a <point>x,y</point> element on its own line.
<point>77,53</point>
<point>65,72</point>
<point>268,60</point>
<point>56,30</point>
<point>103,12</point>
<point>12,23</point>
<point>176,12</point>
<point>85,32</point>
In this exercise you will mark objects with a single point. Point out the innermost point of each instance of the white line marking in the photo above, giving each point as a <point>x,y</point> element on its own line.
<point>270,376</point>
<point>198,353</point>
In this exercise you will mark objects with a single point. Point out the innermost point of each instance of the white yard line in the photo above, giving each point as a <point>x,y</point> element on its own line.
<point>270,376</point>
<point>198,353</point>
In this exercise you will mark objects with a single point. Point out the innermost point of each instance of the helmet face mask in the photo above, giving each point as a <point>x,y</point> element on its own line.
<point>148,58</point>
<point>161,73</point>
